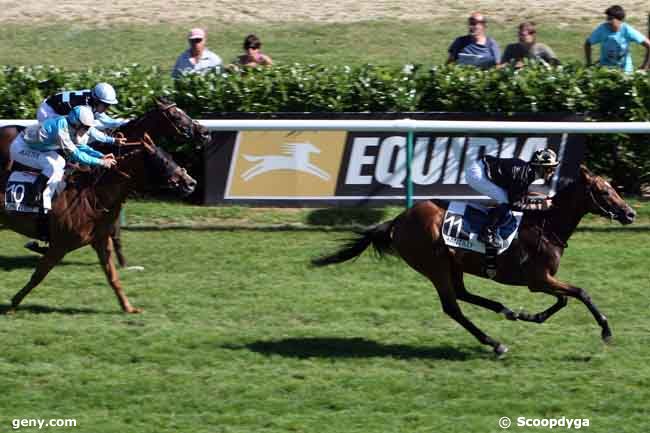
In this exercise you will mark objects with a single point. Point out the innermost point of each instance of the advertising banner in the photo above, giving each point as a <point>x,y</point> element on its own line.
<point>320,168</point>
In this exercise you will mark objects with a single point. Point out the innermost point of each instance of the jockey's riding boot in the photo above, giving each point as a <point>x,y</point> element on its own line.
<point>490,233</point>
<point>39,185</point>
<point>43,226</point>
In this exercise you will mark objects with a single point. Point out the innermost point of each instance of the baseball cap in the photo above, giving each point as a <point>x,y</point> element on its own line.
<point>196,33</point>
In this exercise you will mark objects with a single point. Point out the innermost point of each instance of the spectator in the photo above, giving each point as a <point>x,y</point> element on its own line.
<point>197,59</point>
<point>615,36</point>
<point>253,57</point>
<point>528,48</point>
<point>476,48</point>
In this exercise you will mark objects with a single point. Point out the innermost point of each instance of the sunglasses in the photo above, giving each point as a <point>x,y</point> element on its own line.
<point>473,22</point>
<point>196,41</point>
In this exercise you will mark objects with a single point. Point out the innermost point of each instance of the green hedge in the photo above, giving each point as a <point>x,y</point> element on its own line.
<point>603,93</point>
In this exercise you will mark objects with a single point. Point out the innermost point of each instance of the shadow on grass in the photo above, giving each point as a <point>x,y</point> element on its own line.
<point>44,309</point>
<point>324,347</point>
<point>9,263</point>
<point>337,217</point>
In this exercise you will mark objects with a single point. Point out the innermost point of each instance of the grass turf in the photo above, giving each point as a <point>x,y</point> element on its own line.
<point>239,334</point>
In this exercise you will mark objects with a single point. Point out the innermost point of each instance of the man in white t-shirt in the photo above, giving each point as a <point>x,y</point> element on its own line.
<point>197,58</point>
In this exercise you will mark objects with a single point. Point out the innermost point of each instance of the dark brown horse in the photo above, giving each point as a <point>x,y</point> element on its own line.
<point>86,211</point>
<point>532,260</point>
<point>165,121</point>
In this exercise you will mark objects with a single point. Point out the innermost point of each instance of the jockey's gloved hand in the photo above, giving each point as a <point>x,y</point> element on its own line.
<point>109,162</point>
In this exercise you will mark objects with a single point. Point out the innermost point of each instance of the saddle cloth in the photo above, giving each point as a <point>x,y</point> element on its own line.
<point>463,223</point>
<point>20,193</point>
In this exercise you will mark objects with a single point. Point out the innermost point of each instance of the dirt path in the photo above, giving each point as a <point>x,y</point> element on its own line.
<point>208,11</point>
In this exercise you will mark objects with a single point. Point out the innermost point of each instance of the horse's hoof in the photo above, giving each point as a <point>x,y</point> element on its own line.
<point>134,310</point>
<point>500,350</point>
<point>607,336</point>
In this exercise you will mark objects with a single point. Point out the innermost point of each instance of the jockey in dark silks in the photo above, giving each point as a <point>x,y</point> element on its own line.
<point>100,98</point>
<point>507,182</point>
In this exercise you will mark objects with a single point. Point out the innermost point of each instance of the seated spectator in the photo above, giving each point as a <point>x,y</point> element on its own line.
<point>614,37</point>
<point>528,48</point>
<point>476,48</point>
<point>253,57</point>
<point>197,59</point>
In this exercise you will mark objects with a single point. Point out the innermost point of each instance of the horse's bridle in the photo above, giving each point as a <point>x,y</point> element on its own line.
<point>186,131</point>
<point>602,209</point>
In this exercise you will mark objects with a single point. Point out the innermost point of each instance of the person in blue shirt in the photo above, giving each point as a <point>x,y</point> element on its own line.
<point>39,146</point>
<point>100,98</point>
<point>475,48</point>
<point>614,37</point>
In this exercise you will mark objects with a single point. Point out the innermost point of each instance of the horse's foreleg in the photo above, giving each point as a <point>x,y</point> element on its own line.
<point>544,315</point>
<point>104,249</point>
<point>464,295</point>
<point>44,266</point>
<point>552,285</point>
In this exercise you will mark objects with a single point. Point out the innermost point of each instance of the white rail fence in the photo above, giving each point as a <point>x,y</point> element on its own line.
<point>411,126</point>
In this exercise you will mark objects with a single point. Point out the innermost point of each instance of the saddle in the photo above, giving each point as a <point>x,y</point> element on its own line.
<point>24,189</point>
<point>463,223</point>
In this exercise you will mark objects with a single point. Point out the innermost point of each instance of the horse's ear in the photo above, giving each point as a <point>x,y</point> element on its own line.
<point>148,143</point>
<point>584,172</point>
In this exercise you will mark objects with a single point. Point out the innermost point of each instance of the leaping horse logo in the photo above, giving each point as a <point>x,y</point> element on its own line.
<point>295,156</point>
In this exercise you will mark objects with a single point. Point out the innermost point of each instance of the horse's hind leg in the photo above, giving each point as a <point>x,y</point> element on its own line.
<point>464,295</point>
<point>116,236</point>
<point>44,266</point>
<point>444,286</point>
<point>104,249</point>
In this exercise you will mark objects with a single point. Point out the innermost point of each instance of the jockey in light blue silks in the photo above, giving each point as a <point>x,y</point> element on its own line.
<point>100,98</point>
<point>38,147</point>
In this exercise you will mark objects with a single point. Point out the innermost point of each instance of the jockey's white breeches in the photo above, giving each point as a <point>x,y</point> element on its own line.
<point>44,112</point>
<point>50,163</point>
<point>479,181</point>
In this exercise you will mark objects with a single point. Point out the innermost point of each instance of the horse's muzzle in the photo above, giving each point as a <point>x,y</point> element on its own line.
<point>627,216</point>
<point>188,186</point>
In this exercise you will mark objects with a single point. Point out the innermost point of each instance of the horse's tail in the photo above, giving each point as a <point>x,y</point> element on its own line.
<point>378,236</point>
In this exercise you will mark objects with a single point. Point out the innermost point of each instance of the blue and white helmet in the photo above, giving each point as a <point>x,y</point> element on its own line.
<point>81,115</point>
<point>105,92</point>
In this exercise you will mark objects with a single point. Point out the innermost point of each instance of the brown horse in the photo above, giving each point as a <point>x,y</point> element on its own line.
<point>532,260</point>
<point>165,121</point>
<point>85,212</point>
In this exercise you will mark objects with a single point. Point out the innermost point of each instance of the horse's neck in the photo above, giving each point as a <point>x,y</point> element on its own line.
<point>567,212</point>
<point>115,187</point>
<point>136,128</point>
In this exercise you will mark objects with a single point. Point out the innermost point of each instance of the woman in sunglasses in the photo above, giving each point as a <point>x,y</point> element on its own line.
<point>253,55</point>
